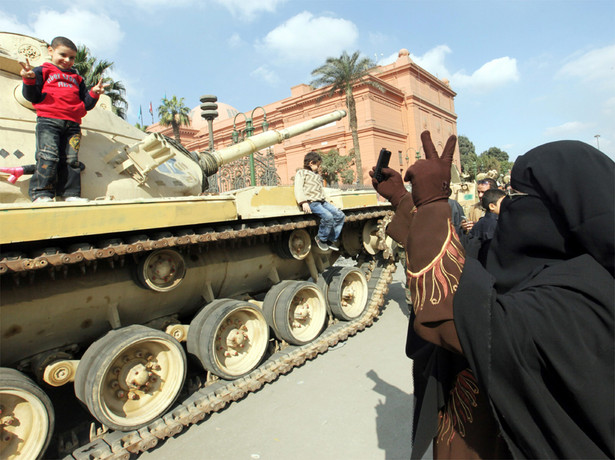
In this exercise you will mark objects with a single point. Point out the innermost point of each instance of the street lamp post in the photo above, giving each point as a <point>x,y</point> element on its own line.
<point>209,111</point>
<point>247,132</point>
<point>418,153</point>
<point>597,136</point>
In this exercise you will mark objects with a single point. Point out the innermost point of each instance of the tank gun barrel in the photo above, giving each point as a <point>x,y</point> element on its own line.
<point>211,161</point>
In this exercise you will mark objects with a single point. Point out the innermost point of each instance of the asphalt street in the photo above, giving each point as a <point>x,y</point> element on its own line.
<point>353,402</point>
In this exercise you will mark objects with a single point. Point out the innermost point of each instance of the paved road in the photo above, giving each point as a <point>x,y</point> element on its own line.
<point>354,402</point>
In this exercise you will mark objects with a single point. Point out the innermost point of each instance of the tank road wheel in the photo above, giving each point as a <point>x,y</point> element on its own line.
<point>347,293</point>
<point>229,337</point>
<point>130,376</point>
<point>370,237</point>
<point>162,270</point>
<point>26,417</point>
<point>297,245</point>
<point>296,311</point>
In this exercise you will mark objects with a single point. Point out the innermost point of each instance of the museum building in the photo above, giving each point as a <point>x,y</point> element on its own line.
<point>412,100</point>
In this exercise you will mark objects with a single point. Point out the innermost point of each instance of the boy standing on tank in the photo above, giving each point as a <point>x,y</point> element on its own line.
<point>61,99</point>
<point>310,195</point>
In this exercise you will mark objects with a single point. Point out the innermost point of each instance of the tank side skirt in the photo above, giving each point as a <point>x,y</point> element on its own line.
<point>22,264</point>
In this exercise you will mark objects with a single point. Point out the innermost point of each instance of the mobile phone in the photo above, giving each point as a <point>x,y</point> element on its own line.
<point>383,162</point>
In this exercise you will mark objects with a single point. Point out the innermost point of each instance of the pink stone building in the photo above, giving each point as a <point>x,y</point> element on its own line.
<point>413,100</point>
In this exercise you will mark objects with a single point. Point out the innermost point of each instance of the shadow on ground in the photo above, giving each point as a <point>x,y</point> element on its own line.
<point>393,419</point>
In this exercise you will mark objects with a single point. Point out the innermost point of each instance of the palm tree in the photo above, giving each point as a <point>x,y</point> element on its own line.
<point>343,74</point>
<point>173,112</point>
<point>92,70</point>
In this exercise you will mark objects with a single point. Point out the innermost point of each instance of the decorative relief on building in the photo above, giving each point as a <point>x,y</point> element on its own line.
<point>29,51</point>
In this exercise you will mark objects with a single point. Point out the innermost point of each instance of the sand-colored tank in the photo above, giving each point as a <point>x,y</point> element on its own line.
<point>154,303</point>
<point>462,191</point>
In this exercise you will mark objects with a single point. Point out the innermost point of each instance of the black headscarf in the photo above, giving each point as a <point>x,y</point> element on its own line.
<point>537,325</point>
<point>568,211</point>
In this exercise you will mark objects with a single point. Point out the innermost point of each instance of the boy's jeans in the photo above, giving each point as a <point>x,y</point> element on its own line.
<point>331,220</point>
<point>57,165</point>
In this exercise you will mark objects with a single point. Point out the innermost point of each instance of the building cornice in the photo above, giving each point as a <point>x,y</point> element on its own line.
<point>418,100</point>
<point>423,75</point>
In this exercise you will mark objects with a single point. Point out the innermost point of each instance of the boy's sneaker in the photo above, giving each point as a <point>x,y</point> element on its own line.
<point>321,244</point>
<point>76,199</point>
<point>43,199</point>
<point>333,246</point>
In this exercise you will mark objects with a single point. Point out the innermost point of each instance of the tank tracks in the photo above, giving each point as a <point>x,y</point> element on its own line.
<point>199,401</point>
<point>56,259</point>
<point>215,397</point>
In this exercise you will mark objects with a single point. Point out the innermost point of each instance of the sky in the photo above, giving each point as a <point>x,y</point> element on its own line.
<point>525,72</point>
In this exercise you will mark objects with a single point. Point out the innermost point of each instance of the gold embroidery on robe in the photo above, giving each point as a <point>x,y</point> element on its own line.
<point>441,276</point>
<point>458,410</point>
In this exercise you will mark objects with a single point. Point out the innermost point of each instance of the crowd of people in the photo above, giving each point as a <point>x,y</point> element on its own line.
<point>512,348</point>
<point>511,321</point>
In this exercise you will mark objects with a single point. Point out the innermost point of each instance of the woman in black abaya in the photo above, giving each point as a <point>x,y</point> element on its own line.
<point>534,326</point>
<point>537,324</point>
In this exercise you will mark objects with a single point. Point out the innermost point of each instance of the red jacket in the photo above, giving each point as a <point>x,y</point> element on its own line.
<point>59,94</point>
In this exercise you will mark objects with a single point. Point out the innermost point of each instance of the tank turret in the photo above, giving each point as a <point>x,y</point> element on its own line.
<point>154,304</point>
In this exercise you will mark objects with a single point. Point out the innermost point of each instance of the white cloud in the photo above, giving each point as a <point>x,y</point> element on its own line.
<point>597,65</point>
<point>149,4</point>
<point>101,34</point>
<point>267,75</point>
<point>12,24</point>
<point>248,11</point>
<point>567,129</point>
<point>307,38</point>
<point>494,74</point>
<point>433,61</point>
<point>390,59</point>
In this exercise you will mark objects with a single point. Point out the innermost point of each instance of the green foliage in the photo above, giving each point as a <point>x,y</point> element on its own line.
<point>141,127</point>
<point>174,113</point>
<point>92,70</point>
<point>496,153</point>
<point>342,74</point>
<point>498,158</point>
<point>468,156</point>
<point>334,164</point>
<point>489,163</point>
<point>473,164</point>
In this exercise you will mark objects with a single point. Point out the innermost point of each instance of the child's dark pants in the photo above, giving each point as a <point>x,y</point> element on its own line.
<point>57,164</point>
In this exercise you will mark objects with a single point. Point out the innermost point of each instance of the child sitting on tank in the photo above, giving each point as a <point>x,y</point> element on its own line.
<point>61,99</point>
<point>310,195</point>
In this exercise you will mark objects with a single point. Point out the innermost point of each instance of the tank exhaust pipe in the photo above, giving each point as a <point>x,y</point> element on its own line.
<point>211,161</point>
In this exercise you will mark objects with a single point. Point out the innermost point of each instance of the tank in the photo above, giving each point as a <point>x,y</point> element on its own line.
<point>462,191</point>
<point>140,312</point>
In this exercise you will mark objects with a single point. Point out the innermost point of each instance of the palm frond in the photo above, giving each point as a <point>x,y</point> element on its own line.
<point>92,70</point>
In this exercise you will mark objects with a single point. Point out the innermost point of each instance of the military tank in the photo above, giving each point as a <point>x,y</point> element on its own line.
<point>133,315</point>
